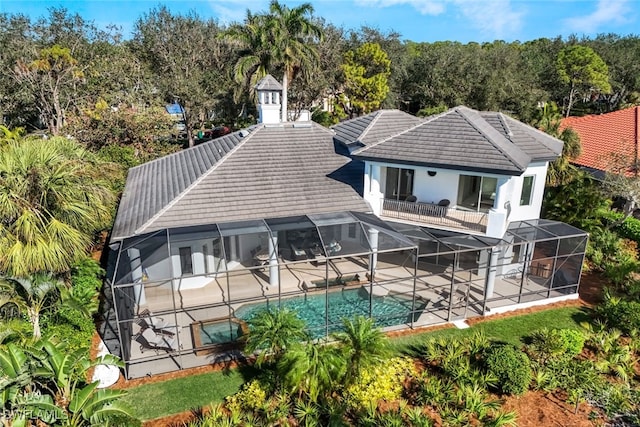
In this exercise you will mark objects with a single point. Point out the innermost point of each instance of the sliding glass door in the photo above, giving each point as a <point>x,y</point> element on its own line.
<point>477,193</point>
<point>398,184</point>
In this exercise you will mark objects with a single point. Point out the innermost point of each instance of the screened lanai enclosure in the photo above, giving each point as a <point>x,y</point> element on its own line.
<point>180,298</point>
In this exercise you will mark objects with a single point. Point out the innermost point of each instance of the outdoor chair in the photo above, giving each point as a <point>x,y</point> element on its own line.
<point>158,324</point>
<point>150,340</point>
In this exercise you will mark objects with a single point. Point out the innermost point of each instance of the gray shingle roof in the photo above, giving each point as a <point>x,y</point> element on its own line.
<point>268,82</point>
<point>279,171</point>
<point>374,127</point>
<point>465,139</point>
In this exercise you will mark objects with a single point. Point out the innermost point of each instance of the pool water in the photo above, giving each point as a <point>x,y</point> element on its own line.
<point>386,310</point>
<point>220,332</point>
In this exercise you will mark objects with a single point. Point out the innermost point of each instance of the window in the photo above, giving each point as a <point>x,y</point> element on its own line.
<point>527,191</point>
<point>352,231</point>
<point>399,184</point>
<point>186,264</point>
<point>477,193</point>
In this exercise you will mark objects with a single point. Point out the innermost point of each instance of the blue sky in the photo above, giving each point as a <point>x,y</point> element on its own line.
<point>417,20</point>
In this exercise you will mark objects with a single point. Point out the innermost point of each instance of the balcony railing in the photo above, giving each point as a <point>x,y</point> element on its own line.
<point>432,214</point>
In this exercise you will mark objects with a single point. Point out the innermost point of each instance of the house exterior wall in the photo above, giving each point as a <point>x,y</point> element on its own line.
<point>444,185</point>
<point>532,211</point>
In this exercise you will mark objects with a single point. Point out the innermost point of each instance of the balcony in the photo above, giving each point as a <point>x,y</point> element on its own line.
<point>434,215</point>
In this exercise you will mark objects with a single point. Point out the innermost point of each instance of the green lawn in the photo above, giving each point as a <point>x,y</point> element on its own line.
<point>511,330</point>
<point>156,400</point>
<point>171,397</point>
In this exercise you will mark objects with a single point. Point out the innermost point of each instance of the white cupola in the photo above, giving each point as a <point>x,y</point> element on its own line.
<point>269,100</point>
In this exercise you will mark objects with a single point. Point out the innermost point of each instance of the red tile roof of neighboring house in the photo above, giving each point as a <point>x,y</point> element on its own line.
<point>606,135</point>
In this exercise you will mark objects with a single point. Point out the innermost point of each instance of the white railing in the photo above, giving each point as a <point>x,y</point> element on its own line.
<point>433,214</point>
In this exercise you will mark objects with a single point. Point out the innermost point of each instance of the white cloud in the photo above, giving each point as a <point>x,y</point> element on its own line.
<point>425,7</point>
<point>228,11</point>
<point>607,12</point>
<point>494,18</point>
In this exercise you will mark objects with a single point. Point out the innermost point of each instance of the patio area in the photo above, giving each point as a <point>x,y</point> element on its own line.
<point>404,276</point>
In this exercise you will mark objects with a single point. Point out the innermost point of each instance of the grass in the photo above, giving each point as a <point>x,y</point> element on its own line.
<point>155,400</point>
<point>510,329</point>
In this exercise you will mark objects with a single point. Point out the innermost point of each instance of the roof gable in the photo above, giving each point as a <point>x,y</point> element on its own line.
<point>465,139</point>
<point>374,127</point>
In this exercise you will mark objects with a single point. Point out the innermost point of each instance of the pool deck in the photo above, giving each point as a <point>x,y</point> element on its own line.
<point>450,297</point>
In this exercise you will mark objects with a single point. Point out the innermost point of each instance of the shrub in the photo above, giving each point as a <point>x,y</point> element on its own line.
<point>556,343</point>
<point>384,382</point>
<point>620,314</point>
<point>86,281</point>
<point>252,396</point>
<point>629,228</point>
<point>511,366</point>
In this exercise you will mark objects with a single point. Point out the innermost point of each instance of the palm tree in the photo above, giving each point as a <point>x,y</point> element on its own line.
<point>32,295</point>
<point>283,37</point>
<point>561,171</point>
<point>273,332</point>
<point>312,369</point>
<point>363,344</point>
<point>54,196</point>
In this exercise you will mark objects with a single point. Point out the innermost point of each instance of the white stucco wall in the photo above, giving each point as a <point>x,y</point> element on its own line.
<point>532,211</point>
<point>444,185</point>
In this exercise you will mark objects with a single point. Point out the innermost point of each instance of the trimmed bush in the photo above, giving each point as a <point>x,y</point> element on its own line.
<point>511,366</point>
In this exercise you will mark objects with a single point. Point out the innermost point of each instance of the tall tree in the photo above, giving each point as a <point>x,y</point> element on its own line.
<point>584,71</point>
<point>560,171</point>
<point>54,196</point>
<point>366,71</point>
<point>185,56</point>
<point>49,75</point>
<point>283,38</point>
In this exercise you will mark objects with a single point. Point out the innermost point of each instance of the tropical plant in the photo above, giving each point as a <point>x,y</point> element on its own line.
<point>560,171</point>
<point>45,382</point>
<point>33,295</point>
<point>363,345</point>
<point>580,203</point>
<point>381,382</point>
<point>313,369</point>
<point>282,38</point>
<point>555,343</point>
<point>53,197</point>
<point>273,332</point>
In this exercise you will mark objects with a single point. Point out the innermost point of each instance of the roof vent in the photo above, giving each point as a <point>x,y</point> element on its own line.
<point>302,124</point>
<point>243,133</point>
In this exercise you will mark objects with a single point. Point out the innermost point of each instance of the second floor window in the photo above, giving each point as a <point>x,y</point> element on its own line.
<point>527,191</point>
<point>398,184</point>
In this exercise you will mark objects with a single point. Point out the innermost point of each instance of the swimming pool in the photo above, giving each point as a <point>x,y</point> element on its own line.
<point>217,332</point>
<point>388,310</point>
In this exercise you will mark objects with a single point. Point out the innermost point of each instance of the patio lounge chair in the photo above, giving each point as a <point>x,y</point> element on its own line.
<point>150,340</point>
<point>158,324</point>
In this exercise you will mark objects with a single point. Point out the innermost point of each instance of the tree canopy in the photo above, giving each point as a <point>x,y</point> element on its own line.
<point>54,195</point>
